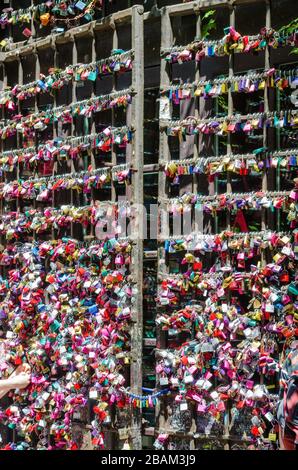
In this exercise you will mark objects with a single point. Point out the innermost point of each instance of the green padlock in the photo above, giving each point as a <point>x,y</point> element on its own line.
<point>293,289</point>
<point>88,17</point>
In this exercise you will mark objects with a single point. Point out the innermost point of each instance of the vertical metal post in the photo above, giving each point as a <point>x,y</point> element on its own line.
<point>230,111</point>
<point>74,86</point>
<point>55,133</point>
<point>197,141</point>
<point>93,126</point>
<point>114,152</point>
<point>56,60</point>
<point>266,109</point>
<point>197,77</point>
<point>19,138</point>
<point>163,219</point>
<point>265,138</point>
<point>197,99</point>
<point>138,165</point>
<point>33,24</point>
<point>164,153</point>
<point>229,189</point>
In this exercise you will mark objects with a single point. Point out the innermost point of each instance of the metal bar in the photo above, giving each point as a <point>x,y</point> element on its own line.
<point>138,163</point>
<point>230,111</point>
<point>74,89</point>
<point>266,110</point>
<point>114,153</point>
<point>164,153</point>
<point>163,219</point>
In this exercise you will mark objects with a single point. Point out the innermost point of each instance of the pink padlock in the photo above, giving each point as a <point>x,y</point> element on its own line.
<point>119,259</point>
